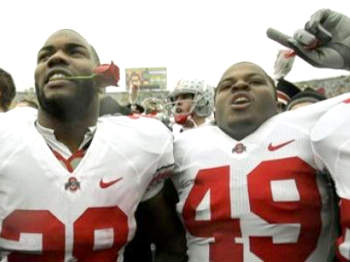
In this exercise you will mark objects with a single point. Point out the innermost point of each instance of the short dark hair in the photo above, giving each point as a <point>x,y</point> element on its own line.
<point>7,89</point>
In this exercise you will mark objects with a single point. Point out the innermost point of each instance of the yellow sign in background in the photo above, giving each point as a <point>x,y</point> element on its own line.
<point>146,78</point>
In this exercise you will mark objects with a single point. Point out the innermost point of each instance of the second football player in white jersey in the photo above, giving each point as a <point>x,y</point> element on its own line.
<point>249,189</point>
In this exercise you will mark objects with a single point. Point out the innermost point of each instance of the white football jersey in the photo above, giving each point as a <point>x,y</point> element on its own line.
<point>258,199</point>
<point>50,214</point>
<point>331,143</point>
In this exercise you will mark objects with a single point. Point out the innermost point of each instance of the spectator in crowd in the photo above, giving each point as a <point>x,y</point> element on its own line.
<point>306,97</point>
<point>135,108</point>
<point>7,90</point>
<point>285,92</point>
<point>70,182</point>
<point>157,108</point>
<point>153,105</point>
<point>192,102</point>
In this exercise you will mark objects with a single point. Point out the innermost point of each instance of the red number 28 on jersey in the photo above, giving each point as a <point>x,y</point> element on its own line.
<point>53,234</point>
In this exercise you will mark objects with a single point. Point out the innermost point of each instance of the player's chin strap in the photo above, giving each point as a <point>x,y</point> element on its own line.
<point>185,120</point>
<point>191,120</point>
<point>181,118</point>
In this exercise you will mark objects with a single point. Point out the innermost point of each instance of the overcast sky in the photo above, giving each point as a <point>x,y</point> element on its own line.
<point>193,39</point>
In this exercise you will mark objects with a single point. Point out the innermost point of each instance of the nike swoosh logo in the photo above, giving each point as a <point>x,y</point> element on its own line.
<point>274,148</point>
<point>108,184</point>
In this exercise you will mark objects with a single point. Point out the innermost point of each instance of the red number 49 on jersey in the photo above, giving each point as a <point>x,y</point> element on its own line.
<point>278,230</point>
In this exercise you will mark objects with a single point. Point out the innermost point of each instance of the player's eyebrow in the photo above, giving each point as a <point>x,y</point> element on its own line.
<point>68,46</point>
<point>75,45</point>
<point>46,48</point>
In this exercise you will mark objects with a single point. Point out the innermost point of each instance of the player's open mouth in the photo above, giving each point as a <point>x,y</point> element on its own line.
<point>57,74</point>
<point>240,101</point>
<point>57,78</point>
<point>178,110</point>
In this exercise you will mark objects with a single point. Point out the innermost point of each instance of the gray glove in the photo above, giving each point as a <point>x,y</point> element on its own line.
<point>325,40</point>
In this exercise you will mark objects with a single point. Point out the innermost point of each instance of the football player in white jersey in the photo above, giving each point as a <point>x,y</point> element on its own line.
<point>70,182</point>
<point>191,104</point>
<point>248,186</point>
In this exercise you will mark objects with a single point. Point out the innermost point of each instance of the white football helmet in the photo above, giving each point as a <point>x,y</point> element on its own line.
<point>203,96</point>
<point>153,104</point>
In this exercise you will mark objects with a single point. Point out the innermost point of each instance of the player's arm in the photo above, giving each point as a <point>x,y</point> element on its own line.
<point>165,228</point>
<point>331,146</point>
<point>324,41</point>
<point>159,215</point>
